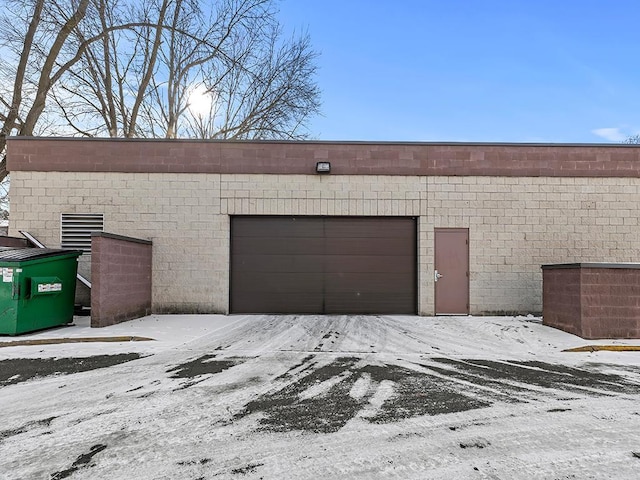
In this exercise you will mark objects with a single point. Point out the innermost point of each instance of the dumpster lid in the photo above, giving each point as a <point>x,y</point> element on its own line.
<point>19,254</point>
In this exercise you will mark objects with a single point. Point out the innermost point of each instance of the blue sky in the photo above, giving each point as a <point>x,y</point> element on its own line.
<point>474,70</point>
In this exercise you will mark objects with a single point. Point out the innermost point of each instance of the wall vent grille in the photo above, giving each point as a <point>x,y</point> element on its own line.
<point>76,230</point>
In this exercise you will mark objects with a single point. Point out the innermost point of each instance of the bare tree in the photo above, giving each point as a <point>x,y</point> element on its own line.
<point>274,98</point>
<point>104,93</point>
<point>139,82</point>
<point>633,139</point>
<point>257,84</point>
<point>34,38</point>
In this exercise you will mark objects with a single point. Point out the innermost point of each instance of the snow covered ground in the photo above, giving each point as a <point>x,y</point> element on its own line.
<point>342,397</point>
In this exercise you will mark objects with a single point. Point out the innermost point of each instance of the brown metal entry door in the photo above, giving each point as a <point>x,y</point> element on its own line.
<point>452,270</point>
<point>323,265</point>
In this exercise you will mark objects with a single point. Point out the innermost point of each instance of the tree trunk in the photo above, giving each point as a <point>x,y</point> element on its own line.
<point>44,83</point>
<point>3,158</point>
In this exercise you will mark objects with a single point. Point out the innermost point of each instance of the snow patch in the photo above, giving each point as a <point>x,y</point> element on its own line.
<point>384,392</point>
<point>322,388</point>
<point>361,387</point>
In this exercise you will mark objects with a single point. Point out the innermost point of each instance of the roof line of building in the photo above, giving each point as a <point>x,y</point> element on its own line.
<point>328,142</point>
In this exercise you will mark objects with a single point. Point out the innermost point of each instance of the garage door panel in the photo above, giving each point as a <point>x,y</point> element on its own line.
<point>276,246</point>
<point>280,263</point>
<point>375,227</point>
<point>277,227</point>
<point>369,246</point>
<point>369,264</point>
<point>267,283</point>
<point>282,303</point>
<point>381,283</point>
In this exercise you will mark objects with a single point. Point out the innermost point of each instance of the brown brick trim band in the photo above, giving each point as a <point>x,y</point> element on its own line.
<point>347,158</point>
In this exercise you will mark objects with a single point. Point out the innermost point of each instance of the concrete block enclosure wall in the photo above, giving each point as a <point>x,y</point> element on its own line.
<point>522,205</point>
<point>593,300</point>
<point>121,278</point>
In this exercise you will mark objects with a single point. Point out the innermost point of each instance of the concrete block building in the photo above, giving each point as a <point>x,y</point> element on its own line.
<point>261,227</point>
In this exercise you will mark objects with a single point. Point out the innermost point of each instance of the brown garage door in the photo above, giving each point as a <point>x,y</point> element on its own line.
<point>323,265</point>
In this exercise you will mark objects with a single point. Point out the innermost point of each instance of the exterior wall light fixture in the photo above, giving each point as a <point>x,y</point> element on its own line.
<point>323,167</point>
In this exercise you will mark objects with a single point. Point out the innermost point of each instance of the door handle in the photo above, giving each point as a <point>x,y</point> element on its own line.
<point>437,275</point>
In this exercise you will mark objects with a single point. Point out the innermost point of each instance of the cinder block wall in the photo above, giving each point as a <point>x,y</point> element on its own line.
<point>515,224</point>
<point>179,213</point>
<point>121,279</point>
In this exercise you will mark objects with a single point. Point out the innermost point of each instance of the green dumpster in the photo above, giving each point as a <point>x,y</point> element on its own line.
<point>37,289</point>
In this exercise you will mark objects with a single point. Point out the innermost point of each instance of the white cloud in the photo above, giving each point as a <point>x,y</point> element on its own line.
<point>617,134</point>
<point>611,134</point>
